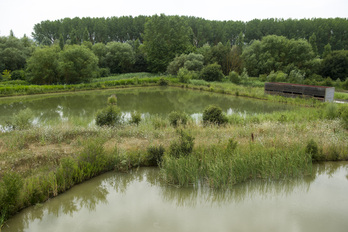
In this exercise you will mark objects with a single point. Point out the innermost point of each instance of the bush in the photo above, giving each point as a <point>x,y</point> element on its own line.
<point>212,72</point>
<point>176,118</point>
<point>135,118</point>
<point>110,116</point>
<point>10,186</point>
<point>182,147</point>
<point>343,114</point>
<point>184,75</point>
<point>234,77</point>
<point>112,100</point>
<point>22,120</point>
<point>155,155</point>
<point>213,114</point>
<point>313,150</point>
<point>331,111</point>
<point>162,82</point>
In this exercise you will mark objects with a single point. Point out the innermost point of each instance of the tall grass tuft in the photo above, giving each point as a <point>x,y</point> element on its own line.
<point>183,146</point>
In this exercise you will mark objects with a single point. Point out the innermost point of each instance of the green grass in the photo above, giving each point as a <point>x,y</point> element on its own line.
<point>124,76</point>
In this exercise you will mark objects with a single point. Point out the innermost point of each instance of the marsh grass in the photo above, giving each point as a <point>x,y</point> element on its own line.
<point>219,167</point>
<point>49,160</point>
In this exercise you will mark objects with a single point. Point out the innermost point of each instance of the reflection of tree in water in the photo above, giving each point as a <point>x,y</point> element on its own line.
<point>329,168</point>
<point>95,192</point>
<point>237,194</point>
<point>66,204</point>
<point>84,105</point>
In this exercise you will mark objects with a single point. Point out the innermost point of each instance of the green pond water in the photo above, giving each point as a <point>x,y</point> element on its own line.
<point>139,201</point>
<point>81,107</point>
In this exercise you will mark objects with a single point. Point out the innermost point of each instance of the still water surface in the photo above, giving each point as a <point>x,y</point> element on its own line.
<point>138,201</point>
<point>82,107</point>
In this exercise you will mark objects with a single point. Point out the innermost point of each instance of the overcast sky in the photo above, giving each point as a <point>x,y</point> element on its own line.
<point>22,15</point>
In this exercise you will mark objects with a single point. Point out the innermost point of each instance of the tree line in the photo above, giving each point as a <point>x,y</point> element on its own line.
<point>103,30</point>
<point>76,50</point>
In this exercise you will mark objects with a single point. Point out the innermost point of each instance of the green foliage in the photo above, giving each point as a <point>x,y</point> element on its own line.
<point>213,114</point>
<point>155,155</point>
<point>296,76</point>
<point>18,75</point>
<point>120,57</point>
<point>66,174</point>
<point>335,65</point>
<point>313,150</point>
<point>22,120</point>
<point>110,116</point>
<point>177,118</point>
<point>77,64</point>
<point>231,146</point>
<point>184,75</point>
<point>234,77</point>
<point>162,82</point>
<point>43,65</point>
<point>135,117</point>
<point>331,111</point>
<point>212,72</point>
<point>343,114</point>
<point>112,100</point>
<point>93,160</point>
<point>164,38</point>
<point>277,53</point>
<point>6,75</point>
<point>10,186</point>
<point>183,146</point>
<point>191,62</point>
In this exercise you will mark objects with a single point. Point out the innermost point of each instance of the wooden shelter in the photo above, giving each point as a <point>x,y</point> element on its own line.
<point>322,93</point>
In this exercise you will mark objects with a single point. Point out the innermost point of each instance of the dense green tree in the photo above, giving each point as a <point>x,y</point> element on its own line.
<point>77,64</point>
<point>191,62</point>
<point>14,52</point>
<point>43,65</point>
<point>327,51</point>
<point>313,42</point>
<point>277,53</point>
<point>335,65</point>
<point>99,49</point>
<point>212,72</point>
<point>120,57</point>
<point>164,38</point>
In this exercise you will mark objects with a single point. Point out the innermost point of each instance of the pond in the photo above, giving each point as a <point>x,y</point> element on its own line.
<point>81,107</point>
<point>139,201</point>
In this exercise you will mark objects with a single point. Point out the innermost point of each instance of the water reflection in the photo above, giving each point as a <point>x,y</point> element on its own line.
<point>83,106</point>
<point>141,196</point>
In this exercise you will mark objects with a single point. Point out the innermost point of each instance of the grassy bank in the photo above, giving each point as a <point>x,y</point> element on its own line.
<point>256,90</point>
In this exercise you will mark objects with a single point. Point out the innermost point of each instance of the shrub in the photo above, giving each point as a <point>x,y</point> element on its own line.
<point>212,72</point>
<point>213,114</point>
<point>162,82</point>
<point>112,100</point>
<point>232,145</point>
<point>11,185</point>
<point>331,111</point>
<point>313,150</point>
<point>110,116</point>
<point>155,155</point>
<point>183,146</point>
<point>92,160</point>
<point>176,118</point>
<point>343,114</point>
<point>135,117</point>
<point>184,75</point>
<point>22,120</point>
<point>234,77</point>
